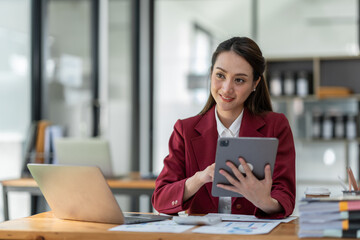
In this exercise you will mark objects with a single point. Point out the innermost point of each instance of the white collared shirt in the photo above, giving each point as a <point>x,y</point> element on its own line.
<point>232,131</point>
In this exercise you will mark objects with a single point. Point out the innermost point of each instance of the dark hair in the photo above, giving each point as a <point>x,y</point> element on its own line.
<point>259,101</point>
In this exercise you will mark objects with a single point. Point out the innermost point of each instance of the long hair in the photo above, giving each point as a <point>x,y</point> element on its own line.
<point>259,101</point>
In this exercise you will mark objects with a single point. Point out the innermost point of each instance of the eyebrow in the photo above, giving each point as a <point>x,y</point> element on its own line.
<point>237,74</point>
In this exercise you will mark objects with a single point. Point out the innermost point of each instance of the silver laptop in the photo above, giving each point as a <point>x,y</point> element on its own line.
<point>84,151</point>
<point>82,193</point>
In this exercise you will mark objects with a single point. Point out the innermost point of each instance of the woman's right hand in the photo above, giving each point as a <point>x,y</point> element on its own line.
<point>194,183</point>
<point>207,175</point>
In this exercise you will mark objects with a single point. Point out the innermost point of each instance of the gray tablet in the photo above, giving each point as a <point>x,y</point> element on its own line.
<point>257,152</point>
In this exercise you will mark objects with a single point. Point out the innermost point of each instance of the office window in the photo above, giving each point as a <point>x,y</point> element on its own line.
<point>186,33</point>
<point>14,83</point>
<point>117,93</point>
<point>15,99</point>
<point>67,75</point>
<point>68,79</point>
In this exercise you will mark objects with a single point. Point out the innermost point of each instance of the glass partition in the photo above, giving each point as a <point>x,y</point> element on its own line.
<point>15,87</point>
<point>67,76</point>
<point>68,81</point>
<point>118,100</point>
<point>14,82</point>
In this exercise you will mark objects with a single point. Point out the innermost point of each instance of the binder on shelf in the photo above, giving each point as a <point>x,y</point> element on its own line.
<point>52,132</point>
<point>29,148</point>
<point>40,141</point>
<point>39,144</point>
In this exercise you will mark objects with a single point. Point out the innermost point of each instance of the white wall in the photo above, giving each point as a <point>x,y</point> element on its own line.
<point>308,27</point>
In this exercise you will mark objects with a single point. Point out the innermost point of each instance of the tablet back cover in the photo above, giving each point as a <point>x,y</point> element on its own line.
<point>256,151</point>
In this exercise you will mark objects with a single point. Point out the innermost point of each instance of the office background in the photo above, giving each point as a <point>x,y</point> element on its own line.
<point>126,70</point>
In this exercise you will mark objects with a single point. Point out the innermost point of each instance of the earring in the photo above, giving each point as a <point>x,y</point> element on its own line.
<point>254,90</point>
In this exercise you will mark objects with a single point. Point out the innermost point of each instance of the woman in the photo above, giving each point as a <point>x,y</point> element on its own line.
<point>238,105</point>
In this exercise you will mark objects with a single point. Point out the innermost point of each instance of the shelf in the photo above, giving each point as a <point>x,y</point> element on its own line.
<point>320,182</point>
<point>311,58</point>
<point>336,71</point>
<point>292,98</point>
<point>313,98</point>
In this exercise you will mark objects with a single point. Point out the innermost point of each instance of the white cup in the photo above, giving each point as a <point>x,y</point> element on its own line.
<point>315,192</point>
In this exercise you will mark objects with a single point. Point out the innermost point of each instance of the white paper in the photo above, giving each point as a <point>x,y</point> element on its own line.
<point>160,226</point>
<point>246,228</point>
<point>249,218</point>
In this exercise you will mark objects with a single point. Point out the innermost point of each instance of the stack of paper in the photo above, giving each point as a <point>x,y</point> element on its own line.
<point>330,218</point>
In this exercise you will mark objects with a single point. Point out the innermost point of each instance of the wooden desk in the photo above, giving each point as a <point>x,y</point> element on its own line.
<point>132,188</point>
<point>46,226</point>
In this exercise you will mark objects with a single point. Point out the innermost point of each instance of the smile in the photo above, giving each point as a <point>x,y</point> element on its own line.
<point>226,99</point>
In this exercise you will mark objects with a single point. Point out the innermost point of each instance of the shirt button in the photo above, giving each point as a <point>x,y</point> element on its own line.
<point>238,206</point>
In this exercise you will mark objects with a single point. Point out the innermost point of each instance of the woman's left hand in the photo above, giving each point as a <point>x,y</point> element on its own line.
<point>254,190</point>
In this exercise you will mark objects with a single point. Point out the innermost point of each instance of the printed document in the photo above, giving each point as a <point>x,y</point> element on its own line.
<point>248,218</point>
<point>160,226</point>
<point>245,228</point>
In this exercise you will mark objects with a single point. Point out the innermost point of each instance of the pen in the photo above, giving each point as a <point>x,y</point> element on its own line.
<point>352,179</point>
<point>342,183</point>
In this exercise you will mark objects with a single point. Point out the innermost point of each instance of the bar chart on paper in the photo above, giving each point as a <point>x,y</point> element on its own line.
<point>245,228</point>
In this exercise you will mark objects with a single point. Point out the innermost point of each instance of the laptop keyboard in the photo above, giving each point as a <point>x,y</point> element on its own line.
<point>140,218</point>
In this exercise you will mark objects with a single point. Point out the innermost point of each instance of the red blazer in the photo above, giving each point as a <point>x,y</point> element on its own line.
<point>192,148</point>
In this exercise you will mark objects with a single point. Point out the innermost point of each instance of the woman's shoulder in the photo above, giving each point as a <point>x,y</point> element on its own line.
<point>271,114</point>
<point>199,121</point>
<point>190,121</point>
<point>186,127</point>
<point>274,117</point>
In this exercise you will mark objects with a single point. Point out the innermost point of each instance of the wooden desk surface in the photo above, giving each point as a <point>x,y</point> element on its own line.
<point>113,183</point>
<point>45,226</point>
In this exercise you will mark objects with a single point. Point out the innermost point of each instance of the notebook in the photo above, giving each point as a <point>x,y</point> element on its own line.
<point>82,193</point>
<point>84,151</point>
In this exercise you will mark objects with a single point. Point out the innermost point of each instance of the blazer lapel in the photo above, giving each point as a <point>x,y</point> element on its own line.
<point>204,145</point>
<point>251,124</point>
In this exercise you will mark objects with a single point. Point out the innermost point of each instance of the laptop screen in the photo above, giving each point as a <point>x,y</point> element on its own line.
<point>86,151</point>
<point>77,193</point>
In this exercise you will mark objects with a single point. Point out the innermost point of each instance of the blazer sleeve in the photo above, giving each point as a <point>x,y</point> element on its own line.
<point>170,184</point>
<point>283,187</point>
